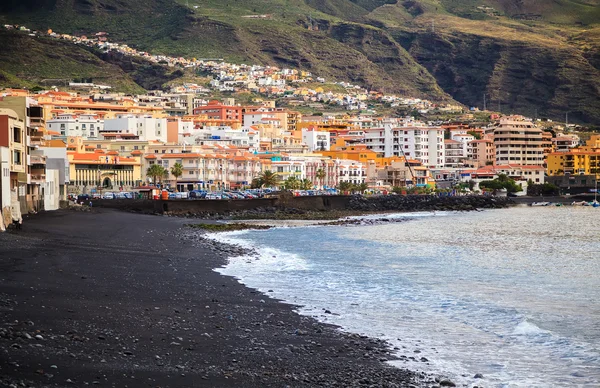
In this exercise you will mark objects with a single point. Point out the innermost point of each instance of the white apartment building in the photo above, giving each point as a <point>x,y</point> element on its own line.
<point>146,127</point>
<point>418,141</point>
<point>86,126</point>
<point>454,153</point>
<point>316,140</point>
<point>352,171</point>
<point>564,143</point>
<point>261,117</point>
<point>518,141</point>
<point>244,137</point>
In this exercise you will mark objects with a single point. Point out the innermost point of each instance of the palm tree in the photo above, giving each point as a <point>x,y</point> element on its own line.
<point>268,178</point>
<point>291,183</point>
<point>362,187</point>
<point>345,186</point>
<point>306,184</point>
<point>320,175</point>
<point>177,171</point>
<point>155,171</point>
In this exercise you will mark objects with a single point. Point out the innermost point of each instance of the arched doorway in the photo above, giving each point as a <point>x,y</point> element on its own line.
<point>106,183</point>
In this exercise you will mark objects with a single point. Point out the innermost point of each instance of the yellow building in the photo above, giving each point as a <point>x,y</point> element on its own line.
<point>582,161</point>
<point>99,169</point>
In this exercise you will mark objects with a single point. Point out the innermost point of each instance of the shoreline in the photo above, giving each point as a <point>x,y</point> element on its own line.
<point>120,298</point>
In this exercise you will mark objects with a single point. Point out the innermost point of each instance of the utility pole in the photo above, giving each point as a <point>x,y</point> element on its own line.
<point>566,120</point>
<point>484,105</point>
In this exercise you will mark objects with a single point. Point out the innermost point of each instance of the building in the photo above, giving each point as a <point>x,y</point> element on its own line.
<point>352,172</point>
<point>86,126</point>
<point>417,141</point>
<point>316,140</point>
<point>142,126</point>
<point>482,153</point>
<point>520,173</point>
<point>208,167</point>
<point>454,153</point>
<point>518,141</point>
<point>219,111</point>
<point>245,137</point>
<point>13,164</point>
<point>94,170</point>
<point>564,143</point>
<point>29,165</point>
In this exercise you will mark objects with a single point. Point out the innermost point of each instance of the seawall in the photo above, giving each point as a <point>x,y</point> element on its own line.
<point>316,203</point>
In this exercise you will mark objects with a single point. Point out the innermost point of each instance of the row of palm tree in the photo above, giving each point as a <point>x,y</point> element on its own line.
<point>293,183</point>
<point>265,179</point>
<point>159,174</point>
<point>352,188</point>
<point>270,179</point>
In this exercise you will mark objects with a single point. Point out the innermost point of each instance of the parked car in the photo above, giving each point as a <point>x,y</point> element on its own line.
<point>108,196</point>
<point>197,194</point>
<point>83,198</point>
<point>213,196</point>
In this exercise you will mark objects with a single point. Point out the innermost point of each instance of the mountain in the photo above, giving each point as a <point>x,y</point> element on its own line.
<point>527,56</point>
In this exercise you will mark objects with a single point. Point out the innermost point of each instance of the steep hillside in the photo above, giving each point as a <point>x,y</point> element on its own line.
<point>527,55</point>
<point>30,62</point>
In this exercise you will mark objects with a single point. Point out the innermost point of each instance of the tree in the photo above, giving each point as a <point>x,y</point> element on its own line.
<point>177,171</point>
<point>155,171</point>
<point>320,175</point>
<point>306,184</point>
<point>256,183</point>
<point>398,190</point>
<point>476,135</point>
<point>345,186</point>
<point>502,182</point>
<point>362,187</point>
<point>268,179</point>
<point>291,183</point>
<point>547,189</point>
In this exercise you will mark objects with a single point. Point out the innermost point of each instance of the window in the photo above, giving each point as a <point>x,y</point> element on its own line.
<point>16,157</point>
<point>17,135</point>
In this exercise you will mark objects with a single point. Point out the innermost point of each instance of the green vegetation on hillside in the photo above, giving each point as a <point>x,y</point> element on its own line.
<point>529,55</point>
<point>29,62</point>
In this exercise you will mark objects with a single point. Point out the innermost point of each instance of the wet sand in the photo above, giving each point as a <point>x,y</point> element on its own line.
<point>127,300</point>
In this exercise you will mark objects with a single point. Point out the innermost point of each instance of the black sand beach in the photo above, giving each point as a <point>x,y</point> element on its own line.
<point>116,299</point>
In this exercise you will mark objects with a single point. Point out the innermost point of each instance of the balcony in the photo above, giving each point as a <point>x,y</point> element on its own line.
<point>38,178</point>
<point>37,159</point>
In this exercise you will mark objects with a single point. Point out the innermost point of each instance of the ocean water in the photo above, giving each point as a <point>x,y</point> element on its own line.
<point>512,294</point>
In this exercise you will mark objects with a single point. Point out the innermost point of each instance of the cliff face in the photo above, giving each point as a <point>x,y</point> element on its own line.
<point>536,80</point>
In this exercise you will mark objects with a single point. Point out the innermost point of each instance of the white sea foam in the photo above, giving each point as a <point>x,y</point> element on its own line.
<point>527,328</point>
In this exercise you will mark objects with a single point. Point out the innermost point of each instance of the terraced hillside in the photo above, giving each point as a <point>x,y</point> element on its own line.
<point>526,55</point>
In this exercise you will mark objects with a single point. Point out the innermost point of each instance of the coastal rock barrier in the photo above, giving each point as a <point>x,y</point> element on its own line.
<point>317,207</point>
<point>426,203</point>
